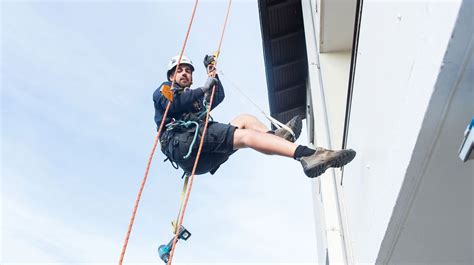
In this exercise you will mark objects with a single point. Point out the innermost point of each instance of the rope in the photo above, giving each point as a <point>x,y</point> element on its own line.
<point>186,124</point>
<point>157,137</point>
<point>183,194</point>
<point>191,178</point>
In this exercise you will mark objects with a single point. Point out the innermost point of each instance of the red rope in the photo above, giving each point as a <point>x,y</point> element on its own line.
<point>137,201</point>
<point>223,28</point>
<point>191,178</point>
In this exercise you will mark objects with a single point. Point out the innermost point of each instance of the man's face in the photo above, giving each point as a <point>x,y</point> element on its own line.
<point>184,75</point>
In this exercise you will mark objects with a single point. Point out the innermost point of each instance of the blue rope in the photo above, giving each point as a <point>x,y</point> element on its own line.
<point>187,124</point>
<point>196,132</point>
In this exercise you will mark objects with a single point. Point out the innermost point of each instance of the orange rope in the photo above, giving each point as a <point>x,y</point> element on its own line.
<point>137,201</point>
<point>223,29</point>
<point>191,178</point>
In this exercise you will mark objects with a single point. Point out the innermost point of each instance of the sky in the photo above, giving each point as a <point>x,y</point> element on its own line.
<point>77,79</point>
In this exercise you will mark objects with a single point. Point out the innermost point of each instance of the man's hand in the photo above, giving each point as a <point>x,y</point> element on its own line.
<point>210,82</point>
<point>210,63</point>
<point>211,69</point>
<point>209,59</point>
<point>207,98</point>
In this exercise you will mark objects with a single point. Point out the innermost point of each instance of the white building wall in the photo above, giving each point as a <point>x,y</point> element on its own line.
<point>318,204</point>
<point>400,54</point>
<point>332,97</point>
<point>327,88</point>
<point>335,73</point>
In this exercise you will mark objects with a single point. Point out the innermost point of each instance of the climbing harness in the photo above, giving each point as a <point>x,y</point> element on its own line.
<point>185,124</point>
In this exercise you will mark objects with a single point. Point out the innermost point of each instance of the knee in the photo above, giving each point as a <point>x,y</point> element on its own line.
<point>247,117</point>
<point>242,138</point>
<point>242,120</point>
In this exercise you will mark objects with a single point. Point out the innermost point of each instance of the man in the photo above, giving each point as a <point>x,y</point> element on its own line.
<point>185,122</point>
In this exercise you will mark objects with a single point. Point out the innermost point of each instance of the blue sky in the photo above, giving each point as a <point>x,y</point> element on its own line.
<point>77,127</point>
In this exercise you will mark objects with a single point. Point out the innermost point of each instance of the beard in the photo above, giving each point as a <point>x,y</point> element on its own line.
<point>184,82</point>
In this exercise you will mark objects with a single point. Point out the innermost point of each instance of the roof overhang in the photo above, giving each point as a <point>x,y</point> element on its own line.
<point>286,64</point>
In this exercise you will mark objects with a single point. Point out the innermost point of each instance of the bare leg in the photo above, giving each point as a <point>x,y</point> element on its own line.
<point>246,121</point>
<point>263,142</point>
<point>313,164</point>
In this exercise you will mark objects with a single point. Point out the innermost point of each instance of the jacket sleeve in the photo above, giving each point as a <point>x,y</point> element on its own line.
<point>219,94</point>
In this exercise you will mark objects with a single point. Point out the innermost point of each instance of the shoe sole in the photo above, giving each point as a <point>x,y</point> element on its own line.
<point>345,157</point>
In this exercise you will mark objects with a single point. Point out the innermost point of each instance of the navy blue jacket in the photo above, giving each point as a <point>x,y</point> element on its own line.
<point>184,101</point>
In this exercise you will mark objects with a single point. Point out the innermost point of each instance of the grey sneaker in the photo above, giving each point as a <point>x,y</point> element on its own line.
<point>317,163</point>
<point>295,124</point>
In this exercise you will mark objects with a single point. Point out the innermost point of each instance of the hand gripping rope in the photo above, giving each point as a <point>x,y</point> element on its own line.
<point>132,219</point>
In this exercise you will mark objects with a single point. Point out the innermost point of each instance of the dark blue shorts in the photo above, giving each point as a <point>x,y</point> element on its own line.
<point>217,147</point>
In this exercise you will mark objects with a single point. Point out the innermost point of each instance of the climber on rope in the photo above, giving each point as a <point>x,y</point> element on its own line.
<point>186,118</point>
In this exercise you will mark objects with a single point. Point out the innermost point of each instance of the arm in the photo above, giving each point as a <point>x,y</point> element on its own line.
<point>219,94</point>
